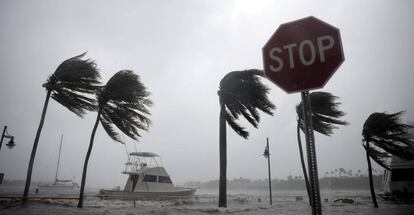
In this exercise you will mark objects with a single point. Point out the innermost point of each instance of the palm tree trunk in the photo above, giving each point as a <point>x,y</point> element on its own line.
<point>371,183</point>
<point>33,154</point>
<point>85,165</point>
<point>223,159</point>
<point>302,161</point>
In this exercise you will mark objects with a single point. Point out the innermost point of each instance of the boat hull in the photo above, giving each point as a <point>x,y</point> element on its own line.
<point>147,195</point>
<point>57,187</point>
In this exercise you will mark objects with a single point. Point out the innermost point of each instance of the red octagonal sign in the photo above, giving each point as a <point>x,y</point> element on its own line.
<point>303,54</point>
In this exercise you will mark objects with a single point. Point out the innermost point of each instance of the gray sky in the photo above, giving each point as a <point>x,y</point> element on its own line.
<point>181,49</point>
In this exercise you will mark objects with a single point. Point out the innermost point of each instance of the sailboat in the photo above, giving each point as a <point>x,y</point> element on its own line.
<point>59,184</point>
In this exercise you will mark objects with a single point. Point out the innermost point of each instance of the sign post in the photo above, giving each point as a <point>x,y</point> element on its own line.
<point>315,196</point>
<point>300,56</point>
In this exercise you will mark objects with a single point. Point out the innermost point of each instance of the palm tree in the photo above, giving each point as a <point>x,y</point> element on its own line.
<point>325,117</point>
<point>385,136</point>
<point>122,102</point>
<point>341,171</point>
<point>350,172</point>
<point>69,85</point>
<point>240,93</point>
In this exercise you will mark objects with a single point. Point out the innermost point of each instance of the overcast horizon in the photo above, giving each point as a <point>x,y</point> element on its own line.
<point>181,49</point>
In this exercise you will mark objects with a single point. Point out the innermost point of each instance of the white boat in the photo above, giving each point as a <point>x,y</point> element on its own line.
<point>399,182</point>
<point>147,180</point>
<point>59,184</point>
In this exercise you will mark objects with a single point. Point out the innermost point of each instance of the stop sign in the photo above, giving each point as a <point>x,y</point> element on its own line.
<point>303,54</point>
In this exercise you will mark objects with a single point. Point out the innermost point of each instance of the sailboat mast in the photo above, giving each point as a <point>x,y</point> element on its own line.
<point>57,167</point>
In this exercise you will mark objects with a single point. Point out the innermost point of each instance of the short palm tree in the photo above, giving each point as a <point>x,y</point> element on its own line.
<point>69,85</point>
<point>123,102</point>
<point>325,118</point>
<point>385,136</point>
<point>240,93</point>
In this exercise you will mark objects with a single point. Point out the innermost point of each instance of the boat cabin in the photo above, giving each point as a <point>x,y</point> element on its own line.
<point>400,180</point>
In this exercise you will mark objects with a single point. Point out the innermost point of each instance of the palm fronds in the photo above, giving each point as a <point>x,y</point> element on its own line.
<point>124,103</point>
<point>71,83</point>
<point>243,94</point>
<point>389,136</point>
<point>325,113</point>
<point>380,156</point>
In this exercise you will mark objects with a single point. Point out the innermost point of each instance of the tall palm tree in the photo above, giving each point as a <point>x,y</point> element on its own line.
<point>325,118</point>
<point>122,102</point>
<point>69,85</point>
<point>240,93</point>
<point>384,136</point>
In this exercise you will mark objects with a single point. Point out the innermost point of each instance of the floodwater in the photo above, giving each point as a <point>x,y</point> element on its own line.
<point>205,202</point>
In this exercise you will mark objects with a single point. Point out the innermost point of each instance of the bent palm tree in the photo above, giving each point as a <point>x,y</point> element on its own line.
<point>325,117</point>
<point>388,137</point>
<point>69,85</point>
<point>122,102</point>
<point>240,93</point>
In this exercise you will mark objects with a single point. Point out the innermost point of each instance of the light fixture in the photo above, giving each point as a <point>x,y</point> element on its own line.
<point>5,134</point>
<point>11,143</point>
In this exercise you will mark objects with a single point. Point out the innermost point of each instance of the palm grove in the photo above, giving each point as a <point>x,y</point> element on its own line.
<point>241,93</point>
<point>122,104</point>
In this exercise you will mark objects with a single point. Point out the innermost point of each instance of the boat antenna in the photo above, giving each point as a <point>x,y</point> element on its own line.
<point>60,149</point>
<point>135,146</point>
<point>126,149</point>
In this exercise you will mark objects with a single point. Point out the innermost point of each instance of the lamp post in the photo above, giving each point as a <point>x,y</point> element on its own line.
<point>9,145</point>
<point>5,134</point>
<point>267,155</point>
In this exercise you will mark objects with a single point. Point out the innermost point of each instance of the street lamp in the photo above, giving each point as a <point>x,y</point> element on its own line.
<point>267,155</point>
<point>9,145</point>
<point>5,134</point>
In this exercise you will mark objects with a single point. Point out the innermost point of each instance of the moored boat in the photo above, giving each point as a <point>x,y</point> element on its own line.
<point>399,181</point>
<point>59,184</point>
<point>147,180</point>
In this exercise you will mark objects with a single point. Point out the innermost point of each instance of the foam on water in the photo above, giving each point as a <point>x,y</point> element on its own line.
<point>248,203</point>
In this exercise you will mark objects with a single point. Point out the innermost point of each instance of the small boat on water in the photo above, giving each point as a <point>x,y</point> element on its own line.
<point>147,180</point>
<point>59,184</point>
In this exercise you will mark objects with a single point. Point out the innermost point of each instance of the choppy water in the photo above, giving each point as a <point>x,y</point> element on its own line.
<point>205,202</point>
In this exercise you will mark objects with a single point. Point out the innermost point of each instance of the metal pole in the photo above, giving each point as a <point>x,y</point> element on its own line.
<point>311,154</point>
<point>268,165</point>
<point>2,136</point>
<point>57,167</point>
